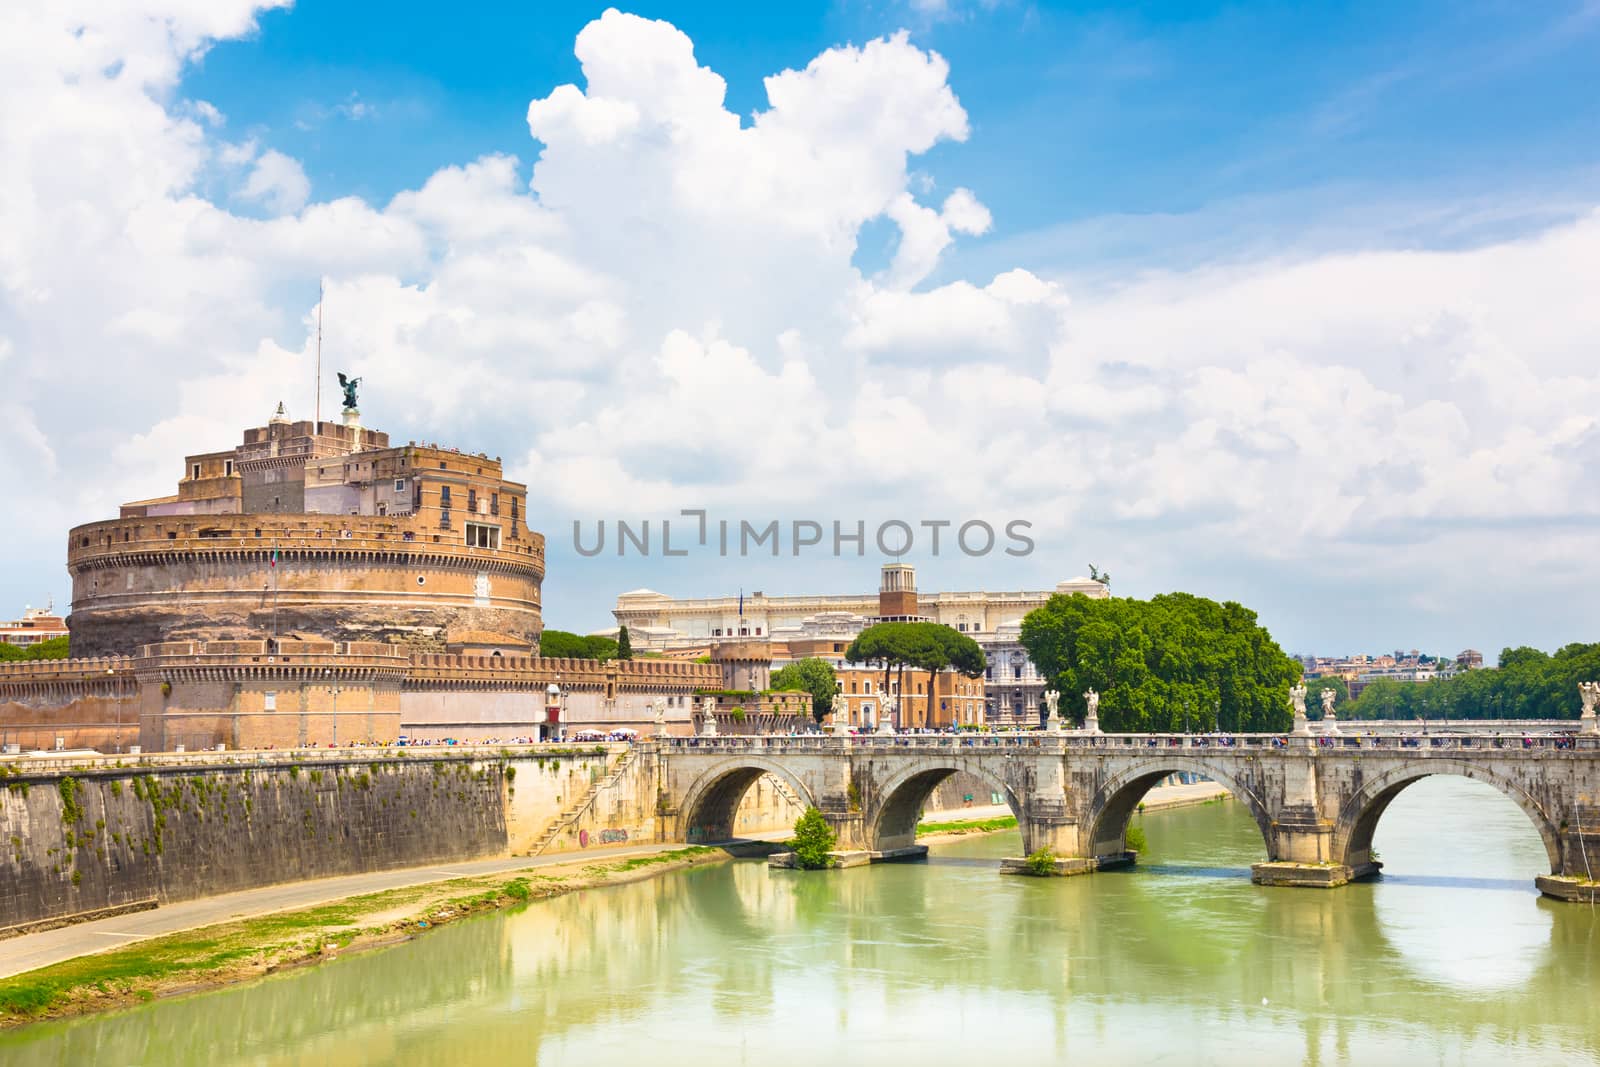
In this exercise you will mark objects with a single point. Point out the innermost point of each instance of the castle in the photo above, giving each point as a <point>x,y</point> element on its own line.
<point>317,585</point>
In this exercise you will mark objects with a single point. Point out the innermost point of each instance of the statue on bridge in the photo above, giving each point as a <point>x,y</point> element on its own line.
<point>1052,701</point>
<point>841,713</point>
<point>660,707</point>
<point>1297,700</point>
<point>886,714</point>
<point>1091,719</point>
<point>708,708</point>
<point>1330,723</point>
<point>1589,693</point>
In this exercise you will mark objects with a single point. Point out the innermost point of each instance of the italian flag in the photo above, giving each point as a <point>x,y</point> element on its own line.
<point>272,561</point>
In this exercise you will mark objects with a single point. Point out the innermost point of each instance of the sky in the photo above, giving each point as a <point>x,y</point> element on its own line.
<point>1292,305</point>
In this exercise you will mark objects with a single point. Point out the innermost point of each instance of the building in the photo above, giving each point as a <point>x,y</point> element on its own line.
<point>658,622</point>
<point>1014,687</point>
<point>317,530</point>
<point>35,626</point>
<point>315,586</point>
<point>957,699</point>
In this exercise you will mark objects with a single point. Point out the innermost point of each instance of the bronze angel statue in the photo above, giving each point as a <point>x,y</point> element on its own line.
<point>349,387</point>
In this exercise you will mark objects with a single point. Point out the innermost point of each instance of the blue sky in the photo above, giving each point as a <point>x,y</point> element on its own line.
<point>1271,302</point>
<point>1077,110</point>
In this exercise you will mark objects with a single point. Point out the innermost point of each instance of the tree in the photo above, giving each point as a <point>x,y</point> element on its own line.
<point>624,645</point>
<point>54,648</point>
<point>561,644</point>
<point>813,676</point>
<point>813,840</point>
<point>1170,663</point>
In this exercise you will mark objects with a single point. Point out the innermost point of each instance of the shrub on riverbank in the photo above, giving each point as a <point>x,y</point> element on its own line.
<point>1041,863</point>
<point>813,840</point>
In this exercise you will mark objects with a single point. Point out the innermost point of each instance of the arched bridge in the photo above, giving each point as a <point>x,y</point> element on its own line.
<point>1317,800</point>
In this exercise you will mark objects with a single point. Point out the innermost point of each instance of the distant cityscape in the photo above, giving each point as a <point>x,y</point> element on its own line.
<point>1361,670</point>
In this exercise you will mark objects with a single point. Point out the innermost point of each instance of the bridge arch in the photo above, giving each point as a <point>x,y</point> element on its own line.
<point>1359,815</point>
<point>711,802</point>
<point>893,820</point>
<point>1115,802</point>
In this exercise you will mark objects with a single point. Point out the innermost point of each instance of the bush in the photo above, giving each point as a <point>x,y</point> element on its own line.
<point>813,840</point>
<point>1041,863</point>
<point>1133,837</point>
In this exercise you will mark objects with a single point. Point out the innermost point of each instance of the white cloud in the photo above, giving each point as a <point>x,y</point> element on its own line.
<point>278,182</point>
<point>662,311</point>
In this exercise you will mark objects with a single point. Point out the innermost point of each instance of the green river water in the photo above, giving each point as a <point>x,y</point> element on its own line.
<point>1450,958</point>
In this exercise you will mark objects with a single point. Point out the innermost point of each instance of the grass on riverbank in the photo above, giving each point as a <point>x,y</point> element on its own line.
<point>236,951</point>
<point>968,826</point>
<point>634,863</point>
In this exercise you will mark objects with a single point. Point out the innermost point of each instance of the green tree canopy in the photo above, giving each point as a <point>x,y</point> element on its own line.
<point>1175,661</point>
<point>54,648</point>
<point>624,644</point>
<point>576,646</point>
<point>813,676</point>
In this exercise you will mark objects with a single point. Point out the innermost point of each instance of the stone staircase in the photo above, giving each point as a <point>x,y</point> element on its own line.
<point>781,787</point>
<point>573,812</point>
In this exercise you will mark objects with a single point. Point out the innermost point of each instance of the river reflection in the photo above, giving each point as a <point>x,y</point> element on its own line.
<point>1451,957</point>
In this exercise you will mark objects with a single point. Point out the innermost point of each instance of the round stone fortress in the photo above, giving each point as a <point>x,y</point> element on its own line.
<point>314,530</point>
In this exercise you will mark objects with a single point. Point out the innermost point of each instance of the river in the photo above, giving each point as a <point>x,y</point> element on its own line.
<point>1451,957</point>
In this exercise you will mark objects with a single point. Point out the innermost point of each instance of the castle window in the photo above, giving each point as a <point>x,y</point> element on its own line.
<point>194,471</point>
<point>227,467</point>
<point>399,485</point>
<point>269,701</point>
<point>482,535</point>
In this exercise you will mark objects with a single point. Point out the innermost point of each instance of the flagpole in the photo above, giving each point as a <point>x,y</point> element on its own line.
<point>316,426</point>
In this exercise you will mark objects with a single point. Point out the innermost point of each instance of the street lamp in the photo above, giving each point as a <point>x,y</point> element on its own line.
<point>552,703</point>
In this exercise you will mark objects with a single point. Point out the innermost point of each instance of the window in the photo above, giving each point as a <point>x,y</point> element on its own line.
<point>482,535</point>
<point>399,485</point>
<point>227,467</point>
<point>444,496</point>
<point>269,700</point>
<point>194,471</point>
<point>494,503</point>
<point>472,501</point>
<point>866,685</point>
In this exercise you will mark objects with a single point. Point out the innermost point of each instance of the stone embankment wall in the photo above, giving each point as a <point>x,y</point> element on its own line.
<point>74,843</point>
<point>81,836</point>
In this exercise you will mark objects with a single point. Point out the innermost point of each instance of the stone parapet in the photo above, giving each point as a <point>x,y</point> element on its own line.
<point>254,537</point>
<point>19,674</point>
